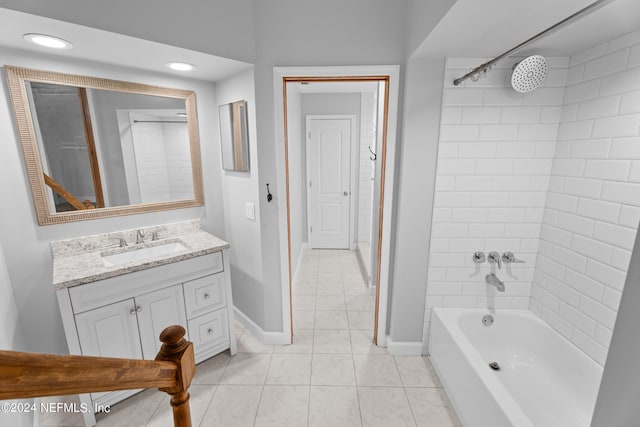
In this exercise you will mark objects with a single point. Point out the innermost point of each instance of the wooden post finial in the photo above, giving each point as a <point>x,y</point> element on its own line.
<point>180,351</point>
<point>172,335</point>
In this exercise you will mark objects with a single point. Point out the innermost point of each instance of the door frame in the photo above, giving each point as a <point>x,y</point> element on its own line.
<point>390,74</point>
<point>353,168</point>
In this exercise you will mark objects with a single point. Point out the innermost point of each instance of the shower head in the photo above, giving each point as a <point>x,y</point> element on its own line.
<point>529,73</point>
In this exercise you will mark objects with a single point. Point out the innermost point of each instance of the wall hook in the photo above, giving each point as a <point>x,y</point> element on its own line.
<point>374,157</point>
<point>269,196</point>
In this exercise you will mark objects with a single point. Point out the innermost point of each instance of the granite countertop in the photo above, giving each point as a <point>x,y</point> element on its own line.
<point>79,261</point>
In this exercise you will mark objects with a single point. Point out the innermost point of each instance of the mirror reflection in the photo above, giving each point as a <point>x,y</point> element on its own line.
<point>105,148</point>
<point>234,136</point>
<point>95,147</point>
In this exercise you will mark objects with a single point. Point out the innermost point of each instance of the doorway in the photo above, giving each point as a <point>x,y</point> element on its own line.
<point>330,196</point>
<point>386,77</point>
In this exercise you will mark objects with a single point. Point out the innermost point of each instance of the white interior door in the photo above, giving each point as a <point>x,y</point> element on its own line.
<point>329,181</point>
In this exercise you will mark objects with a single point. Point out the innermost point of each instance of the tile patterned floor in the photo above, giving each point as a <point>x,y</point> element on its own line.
<point>331,376</point>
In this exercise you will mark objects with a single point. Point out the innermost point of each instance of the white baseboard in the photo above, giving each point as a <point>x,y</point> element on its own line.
<point>268,338</point>
<point>404,348</point>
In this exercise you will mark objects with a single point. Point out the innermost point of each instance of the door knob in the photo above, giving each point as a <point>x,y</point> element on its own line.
<point>345,193</point>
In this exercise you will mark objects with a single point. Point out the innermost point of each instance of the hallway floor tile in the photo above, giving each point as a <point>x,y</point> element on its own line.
<point>332,375</point>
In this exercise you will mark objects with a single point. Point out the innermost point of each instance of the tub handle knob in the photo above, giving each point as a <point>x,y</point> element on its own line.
<point>494,257</point>
<point>509,257</point>
<point>479,257</point>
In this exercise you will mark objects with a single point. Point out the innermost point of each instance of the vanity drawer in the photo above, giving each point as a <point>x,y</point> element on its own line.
<point>204,295</point>
<point>208,332</point>
<point>118,288</point>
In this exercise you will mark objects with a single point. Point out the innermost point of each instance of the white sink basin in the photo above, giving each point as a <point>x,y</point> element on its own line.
<point>140,254</point>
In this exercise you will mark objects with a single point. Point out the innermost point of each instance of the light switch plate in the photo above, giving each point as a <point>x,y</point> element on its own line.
<point>250,211</point>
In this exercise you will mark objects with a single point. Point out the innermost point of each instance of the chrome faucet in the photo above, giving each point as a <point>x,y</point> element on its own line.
<point>492,279</point>
<point>479,257</point>
<point>139,237</point>
<point>509,257</point>
<point>494,257</point>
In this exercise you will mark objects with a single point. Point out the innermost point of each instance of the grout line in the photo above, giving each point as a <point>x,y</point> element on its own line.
<point>215,392</point>
<point>404,389</point>
<point>262,389</point>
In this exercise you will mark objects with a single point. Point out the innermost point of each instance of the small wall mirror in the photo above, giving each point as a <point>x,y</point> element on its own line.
<point>96,148</point>
<point>234,136</point>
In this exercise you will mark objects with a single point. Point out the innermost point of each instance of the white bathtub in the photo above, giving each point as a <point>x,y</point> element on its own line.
<point>544,379</point>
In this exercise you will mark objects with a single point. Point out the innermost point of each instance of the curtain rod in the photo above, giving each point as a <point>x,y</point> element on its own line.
<point>487,65</point>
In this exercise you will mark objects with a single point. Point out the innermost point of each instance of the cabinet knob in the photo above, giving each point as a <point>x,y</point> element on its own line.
<point>206,296</point>
<point>132,311</point>
<point>210,331</point>
<point>138,309</point>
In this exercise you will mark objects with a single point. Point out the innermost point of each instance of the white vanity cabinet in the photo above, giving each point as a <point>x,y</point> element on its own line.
<point>123,316</point>
<point>112,330</point>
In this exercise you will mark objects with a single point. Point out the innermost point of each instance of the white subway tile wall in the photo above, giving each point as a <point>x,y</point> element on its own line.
<point>554,176</point>
<point>178,152</point>
<point>593,208</point>
<point>162,159</point>
<point>494,166</point>
<point>150,160</point>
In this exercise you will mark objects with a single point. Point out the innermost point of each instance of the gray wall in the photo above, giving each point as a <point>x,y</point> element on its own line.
<point>27,245</point>
<point>416,180</point>
<point>238,189</point>
<point>11,338</point>
<point>617,403</point>
<point>422,18</point>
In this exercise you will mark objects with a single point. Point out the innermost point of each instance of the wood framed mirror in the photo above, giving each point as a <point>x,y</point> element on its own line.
<point>97,148</point>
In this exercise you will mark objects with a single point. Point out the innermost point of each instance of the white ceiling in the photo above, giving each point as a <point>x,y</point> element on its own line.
<point>471,28</point>
<point>487,28</point>
<point>104,46</point>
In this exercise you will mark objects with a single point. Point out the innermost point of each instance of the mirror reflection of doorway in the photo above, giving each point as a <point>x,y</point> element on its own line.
<point>65,137</point>
<point>334,195</point>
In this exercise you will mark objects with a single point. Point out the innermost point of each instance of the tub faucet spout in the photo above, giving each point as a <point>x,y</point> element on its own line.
<point>492,279</point>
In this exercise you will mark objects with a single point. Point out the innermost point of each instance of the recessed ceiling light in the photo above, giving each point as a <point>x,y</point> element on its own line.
<point>181,66</point>
<point>47,41</point>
